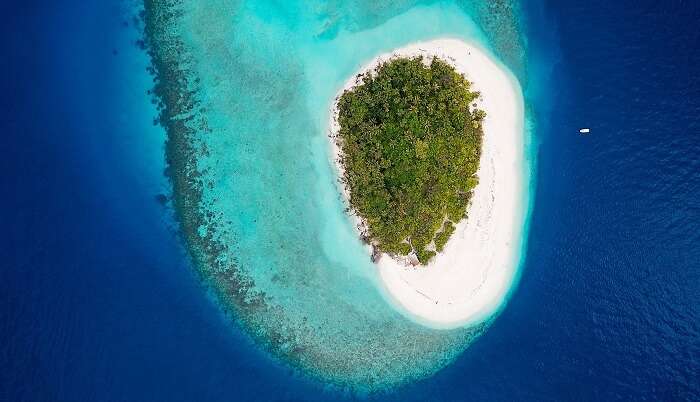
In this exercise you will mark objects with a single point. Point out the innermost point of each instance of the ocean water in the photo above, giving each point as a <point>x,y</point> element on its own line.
<point>98,296</point>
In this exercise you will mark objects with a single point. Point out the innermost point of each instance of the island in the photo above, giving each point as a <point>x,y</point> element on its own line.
<point>427,142</point>
<point>410,140</point>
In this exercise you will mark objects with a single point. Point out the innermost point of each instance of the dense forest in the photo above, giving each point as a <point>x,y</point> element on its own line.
<point>410,139</point>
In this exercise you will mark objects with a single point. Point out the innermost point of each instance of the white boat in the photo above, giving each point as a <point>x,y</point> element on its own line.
<point>584,130</point>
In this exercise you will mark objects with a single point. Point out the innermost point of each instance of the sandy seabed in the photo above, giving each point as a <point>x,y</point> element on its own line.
<point>470,279</point>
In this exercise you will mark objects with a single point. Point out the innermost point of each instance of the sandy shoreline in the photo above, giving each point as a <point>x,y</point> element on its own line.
<point>470,279</point>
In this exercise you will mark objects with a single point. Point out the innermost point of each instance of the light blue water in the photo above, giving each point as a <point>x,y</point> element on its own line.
<point>259,203</point>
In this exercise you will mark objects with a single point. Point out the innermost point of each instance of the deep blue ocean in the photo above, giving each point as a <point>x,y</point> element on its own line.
<point>98,301</point>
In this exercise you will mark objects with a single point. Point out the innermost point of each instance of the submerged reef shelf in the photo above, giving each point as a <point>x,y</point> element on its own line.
<point>255,197</point>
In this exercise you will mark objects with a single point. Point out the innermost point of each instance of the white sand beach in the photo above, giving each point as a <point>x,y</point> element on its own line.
<point>471,278</point>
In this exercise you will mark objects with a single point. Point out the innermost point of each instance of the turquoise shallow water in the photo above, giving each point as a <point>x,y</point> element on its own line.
<point>246,89</point>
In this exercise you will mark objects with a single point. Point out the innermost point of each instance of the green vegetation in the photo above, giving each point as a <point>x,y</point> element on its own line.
<point>411,141</point>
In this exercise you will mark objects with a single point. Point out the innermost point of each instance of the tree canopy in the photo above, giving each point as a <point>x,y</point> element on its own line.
<point>410,139</point>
